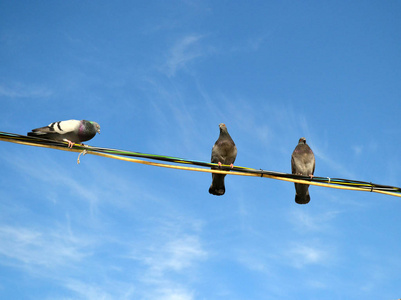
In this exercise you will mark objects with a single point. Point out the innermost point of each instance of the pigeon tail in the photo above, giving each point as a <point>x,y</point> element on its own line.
<point>45,135</point>
<point>217,187</point>
<point>304,199</point>
<point>216,192</point>
<point>32,134</point>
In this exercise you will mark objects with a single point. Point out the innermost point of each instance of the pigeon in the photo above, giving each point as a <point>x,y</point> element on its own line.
<point>71,131</point>
<point>302,163</point>
<point>224,152</point>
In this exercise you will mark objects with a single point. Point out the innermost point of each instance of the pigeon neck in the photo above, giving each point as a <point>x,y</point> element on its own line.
<point>225,134</point>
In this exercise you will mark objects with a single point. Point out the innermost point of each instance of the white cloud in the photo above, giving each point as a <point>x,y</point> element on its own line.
<point>334,164</point>
<point>255,261</point>
<point>54,177</point>
<point>44,248</point>
<point>19,90</point>
<point>90,291</point>
<point>317,284</point>
<point>301,255</point>
<point>182,53</point>
<point>307,222</point>
<point>181,253</point>
<point>169,258</point>
<point>89,183</point>
<point>357,149</point>
<point>168,251</point>
<point>252,44</point>
<point>173,294</point>
<point>175,254</point>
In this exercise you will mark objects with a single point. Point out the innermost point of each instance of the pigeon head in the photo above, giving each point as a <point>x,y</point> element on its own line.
<point>302,140</point>
<point>222,126</point>
<point>97,126</point>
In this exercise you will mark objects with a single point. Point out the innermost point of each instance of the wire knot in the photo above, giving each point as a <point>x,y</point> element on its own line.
<point>83,153</point>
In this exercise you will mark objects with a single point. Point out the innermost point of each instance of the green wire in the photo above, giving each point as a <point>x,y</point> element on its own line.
<point>335,181</point>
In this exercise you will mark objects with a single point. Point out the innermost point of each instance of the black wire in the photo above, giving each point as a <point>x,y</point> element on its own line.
<point>334,181</point>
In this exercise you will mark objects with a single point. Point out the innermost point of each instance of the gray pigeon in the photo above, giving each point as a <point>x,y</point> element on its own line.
<point>71,131</point>
<point>302,163</point>
<point>224,152</point>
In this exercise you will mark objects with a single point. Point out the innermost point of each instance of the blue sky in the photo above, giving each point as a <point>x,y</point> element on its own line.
<point>159,76</point>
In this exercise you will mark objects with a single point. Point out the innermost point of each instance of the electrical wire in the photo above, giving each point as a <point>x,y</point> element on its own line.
<point>338,183</point>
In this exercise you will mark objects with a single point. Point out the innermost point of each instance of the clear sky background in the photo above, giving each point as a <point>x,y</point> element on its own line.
<point>159,76</point>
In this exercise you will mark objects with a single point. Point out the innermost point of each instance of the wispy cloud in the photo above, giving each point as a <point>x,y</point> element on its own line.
<point>170,259</point>
<point>53,179</point>
<point>40,247</point>
<point>108,290</point>
<point>19,90</point>
<point>357,149</point>
<point>177,118</point>
<point>174,246</point>
<point>251,44</point>
<point>325,157</point>
<point>301,254</point>
<point>57,178</point>
<point>183,52</point>
<point>255,261</point>
<point>170,292</point>
<point>307,222</point>
<point>167,252</point>
<point>175,255</point>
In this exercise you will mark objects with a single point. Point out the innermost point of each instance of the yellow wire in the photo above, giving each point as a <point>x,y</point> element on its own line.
<point>197,169</point>
<point>239,174</point>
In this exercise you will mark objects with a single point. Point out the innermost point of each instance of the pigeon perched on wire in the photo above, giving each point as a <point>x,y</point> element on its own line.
<point>71,131</point>
<point>302,163</point>
<point>224,152</point>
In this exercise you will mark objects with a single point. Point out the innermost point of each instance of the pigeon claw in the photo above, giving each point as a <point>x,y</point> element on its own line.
<point>70,144</point>
<point>231,166</point>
